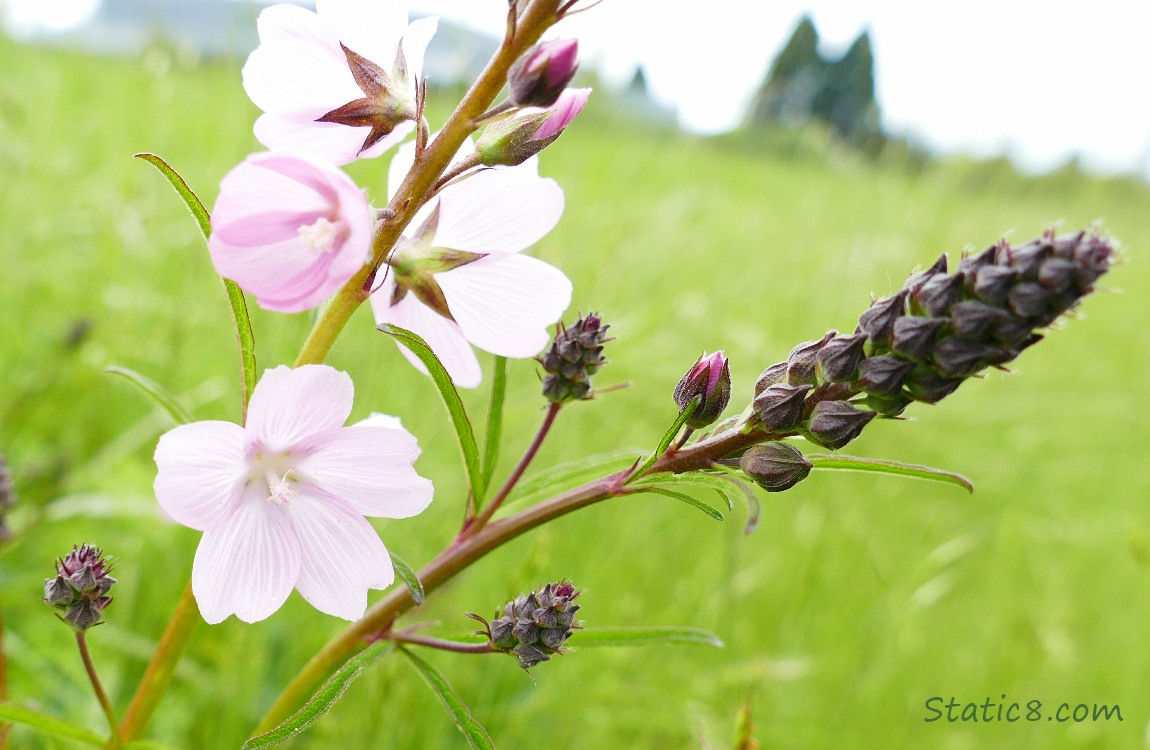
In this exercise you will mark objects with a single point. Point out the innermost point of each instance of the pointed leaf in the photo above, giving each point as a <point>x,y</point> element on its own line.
<point>405,571</point>
<point>239,307</point>
<point>49,724</point>
<point>754,506</point>
<point>560,477</point>
<point>643,636</point>
<point>463,430</point>
<point>324,699</point>
<point>691,479</point>
<point>659,490</point>
<point>494,421</point>
<point>476,735</point>
<point>883,466</point>
<point>668,437</point>
<point>159,395</point>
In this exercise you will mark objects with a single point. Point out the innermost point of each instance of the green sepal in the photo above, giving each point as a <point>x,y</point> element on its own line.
<point>640,636</point>
<point>476,735</point>
<point>239,306</point>
<point>883,466</point>
<point>159,395</point>
<point>464,432</point>
<point>324,698</point>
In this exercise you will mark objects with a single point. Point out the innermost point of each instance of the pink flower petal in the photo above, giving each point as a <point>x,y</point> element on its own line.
<point>371,28</point>
<point>291,405</point>
<point>441,334</point>
<point>368,467</point>
<point>505,304</point>
<point>298,70</point>
<point>338,144</point>
<point>342,556</point>
<point>564,110</point>
<point>202,473</point>
<point>248,566</point>
<point>500,210</point>
<point>415,41</point>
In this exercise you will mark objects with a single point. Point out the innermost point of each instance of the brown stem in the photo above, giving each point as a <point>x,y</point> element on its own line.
<point>517,474</point>
<point>439,643</point>
<point>101,696</point>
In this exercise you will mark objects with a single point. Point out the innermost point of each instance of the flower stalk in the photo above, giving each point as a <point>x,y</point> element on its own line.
<point>416,187</point>
<point>86,655</point>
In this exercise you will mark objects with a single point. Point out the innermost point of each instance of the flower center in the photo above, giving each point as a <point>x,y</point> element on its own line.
<point>318,237</point>
<point>280,490</point>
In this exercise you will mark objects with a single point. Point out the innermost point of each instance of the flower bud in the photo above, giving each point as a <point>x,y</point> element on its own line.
<point>80,588</point>
<point>710,380</point>
<point>779,407</point>
<point>838,361</point>
<point>574,356</point>
<point>776,373</point>
<point>539,76</point>
<point>775,466</point>
<point>833,424</point>
<point>801,362</point>
<point>535,625</point>
<point>513,141</point>
<point>878,321</point>
<point>884,374</point>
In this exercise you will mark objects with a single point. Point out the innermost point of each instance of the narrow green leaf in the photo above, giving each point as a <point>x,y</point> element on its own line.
<point>494,430</point>
<point>883,466</point>
<point>405,571</point>
<point>476,735</point>
<point>668,436</point>
<point>450,396</point>
<point>159,395</point>
<point>659,490</point>
<point>691,479</point>
<point>199,213</point>
<point>754,505</point>
<point>643,636</point>
<point>560,477</point>
<point>49,724</point>
<point>239,306</point>
<point>324,699</point>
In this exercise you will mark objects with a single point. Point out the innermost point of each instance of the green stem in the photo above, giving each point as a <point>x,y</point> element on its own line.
<point>158,677</point>
<point>494,432</point>
<point>421,179</point>
<point>467,550</point>
<point>101,696</point>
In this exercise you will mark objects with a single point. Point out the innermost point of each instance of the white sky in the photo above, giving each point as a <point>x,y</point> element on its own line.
<point>1037,80</point>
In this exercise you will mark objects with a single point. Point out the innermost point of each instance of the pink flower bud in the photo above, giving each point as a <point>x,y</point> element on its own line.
<point>709,380</point>
<point>540,75</point>
<point>515,140</point>
<point>565,109</point>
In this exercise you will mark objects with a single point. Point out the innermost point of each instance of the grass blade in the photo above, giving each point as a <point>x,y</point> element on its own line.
<point>239,306</point>
<point>450,396</point>
<point>644,636</point>
<point>49,724</point>
<point>883,466</point>
<point>494,430</point>
<point>407,574</point>
<point>159,395</point>
<point>659,490</point>
<point>476,735</point>
<point>323,700</point>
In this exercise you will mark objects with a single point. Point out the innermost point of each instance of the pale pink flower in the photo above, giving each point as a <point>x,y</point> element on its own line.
<point>282,500</point>
<point>457,278</point>
<point>290,229</point>
<point>339,82</point>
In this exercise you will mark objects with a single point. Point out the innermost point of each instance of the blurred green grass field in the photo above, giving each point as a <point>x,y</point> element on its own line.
<point>858,598</point>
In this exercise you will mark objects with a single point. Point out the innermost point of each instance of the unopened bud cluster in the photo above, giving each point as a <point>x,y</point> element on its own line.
<point>80,589</point>
<point>573,357</point>
<point>536,625</point>
<point>920,344</point>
